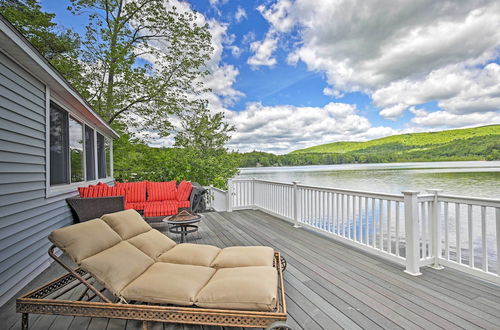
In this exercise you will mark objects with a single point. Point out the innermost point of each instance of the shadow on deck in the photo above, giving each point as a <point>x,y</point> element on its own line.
<point>328,285</point>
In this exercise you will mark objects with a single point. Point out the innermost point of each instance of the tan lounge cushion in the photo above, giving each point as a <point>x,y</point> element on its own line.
<point>244,256</point>
<point>190,254</point>
<point>152,242</point>
<point>243,288</point>
<point>169,284</point>
<point>84,239</point>
<point>117,266</point>
<point>126,223</point>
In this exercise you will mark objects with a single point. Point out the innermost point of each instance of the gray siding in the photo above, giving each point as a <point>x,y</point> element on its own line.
<point>26,215</point>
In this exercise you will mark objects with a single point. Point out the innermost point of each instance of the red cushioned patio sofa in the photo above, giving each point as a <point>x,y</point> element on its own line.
<point>154,199</point>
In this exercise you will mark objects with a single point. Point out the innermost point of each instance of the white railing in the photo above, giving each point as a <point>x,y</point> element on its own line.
<point>411,229</point>
<point>468,231</point>
<point>217,199</point>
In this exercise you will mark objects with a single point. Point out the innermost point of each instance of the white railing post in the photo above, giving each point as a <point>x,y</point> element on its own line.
<point>254,194</point>
<point>295,203</point>
<point>229,197</point>
<point>436,229</point>
<point>412,233</point>
<point>210,197</point>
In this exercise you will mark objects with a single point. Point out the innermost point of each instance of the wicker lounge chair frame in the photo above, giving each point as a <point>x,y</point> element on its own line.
<point>43,300</point>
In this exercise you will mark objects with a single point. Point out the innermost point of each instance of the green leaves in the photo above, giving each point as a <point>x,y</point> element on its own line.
<point>141,63</point>
<point>146,59</point>
<point>60,46</point>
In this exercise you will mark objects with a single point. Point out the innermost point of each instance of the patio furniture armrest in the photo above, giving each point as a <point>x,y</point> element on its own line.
<point>191,197</point>
<point>90,208</point>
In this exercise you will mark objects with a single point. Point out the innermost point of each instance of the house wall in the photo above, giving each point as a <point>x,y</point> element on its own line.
<point>26,215</point>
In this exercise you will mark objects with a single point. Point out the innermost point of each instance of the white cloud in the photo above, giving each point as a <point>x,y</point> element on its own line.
<point>280,15</point>
<point>365,45</point>
<point>217,2</point>
<point>248,37</point>
<point>263,51</point>
<point>444,119</point>
<point>332,92</point>
<point>240,14</point>
<point>285,128</point>
<point>235,50</point>
<point>394,111</point>
<point>458,89</point>
<point>400,53</point>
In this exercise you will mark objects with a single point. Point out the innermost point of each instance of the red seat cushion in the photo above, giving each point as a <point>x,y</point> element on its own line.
<point>184,191</point>
<point>158,209</point>
<point>135,205</point>
<point>136,191</point>
<point>184,203</point>
<point>162,191</point>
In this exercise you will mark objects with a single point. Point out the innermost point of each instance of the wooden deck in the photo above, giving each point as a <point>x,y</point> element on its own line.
<point>328,285</point>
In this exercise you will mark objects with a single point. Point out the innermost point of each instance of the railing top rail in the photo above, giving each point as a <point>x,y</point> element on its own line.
<point>274,182</point>
<point>362,193</point>
<point>426,197</point>
<point>216,189</point>
<point>242,179</point>
<point>481,201</point>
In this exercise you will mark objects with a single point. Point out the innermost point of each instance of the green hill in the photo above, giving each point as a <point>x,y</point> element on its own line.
<point>480,143</point>
<point>415,142</point>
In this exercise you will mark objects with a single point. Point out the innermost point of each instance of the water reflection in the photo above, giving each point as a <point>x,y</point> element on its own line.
<point>461,178</point>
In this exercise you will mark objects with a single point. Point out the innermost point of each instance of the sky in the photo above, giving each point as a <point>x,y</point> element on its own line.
<point>291,74</point>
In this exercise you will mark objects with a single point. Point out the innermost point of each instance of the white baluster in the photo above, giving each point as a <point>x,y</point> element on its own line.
<point>411,232</point>
<point>484,244</point>
<point>471,236</point>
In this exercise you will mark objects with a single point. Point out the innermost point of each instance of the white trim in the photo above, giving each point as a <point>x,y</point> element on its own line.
<point>47,140</point>
<point>96,169</point>
<point>84,160</point>
<point>111,159</point>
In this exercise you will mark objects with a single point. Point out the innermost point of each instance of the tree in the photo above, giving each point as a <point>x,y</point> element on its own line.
<point>147,61</point>
<point>202,143</point>
<point>60,46</point>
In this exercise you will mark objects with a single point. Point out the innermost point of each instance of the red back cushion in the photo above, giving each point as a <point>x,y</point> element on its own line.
<point>93,191</point>
<point>136,191</point>
<point>118,191</point>
<point>162,191</point>
<point>184,190</point>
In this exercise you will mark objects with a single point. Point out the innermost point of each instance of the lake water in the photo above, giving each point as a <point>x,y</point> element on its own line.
<point>472,178</point>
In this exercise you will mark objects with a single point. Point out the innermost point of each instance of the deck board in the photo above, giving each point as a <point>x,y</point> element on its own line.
<point>328,285</point>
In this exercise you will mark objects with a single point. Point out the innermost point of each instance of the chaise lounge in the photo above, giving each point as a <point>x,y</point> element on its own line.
<point>146,276</point>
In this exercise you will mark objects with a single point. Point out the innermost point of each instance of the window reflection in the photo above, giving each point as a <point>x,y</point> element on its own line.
<point>76,150</point>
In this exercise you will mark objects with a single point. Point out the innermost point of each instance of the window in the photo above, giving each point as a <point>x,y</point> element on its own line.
<point>76,150</point>
<point>101,156</point>
<point>89,153</point>
<point>59,173</point>
<point>107,151</point>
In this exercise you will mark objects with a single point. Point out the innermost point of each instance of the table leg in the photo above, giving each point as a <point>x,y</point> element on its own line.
<point>183,233</point>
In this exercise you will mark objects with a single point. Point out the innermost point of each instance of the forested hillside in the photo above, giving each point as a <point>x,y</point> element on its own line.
<point>480,143</point>
<point>406,141</point>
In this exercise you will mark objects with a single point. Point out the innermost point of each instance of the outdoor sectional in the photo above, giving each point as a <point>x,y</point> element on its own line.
<point>179,283</point>
<point>154,199</point>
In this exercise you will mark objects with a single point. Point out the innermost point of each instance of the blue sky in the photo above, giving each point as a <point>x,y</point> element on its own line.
<point>294,73</point>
